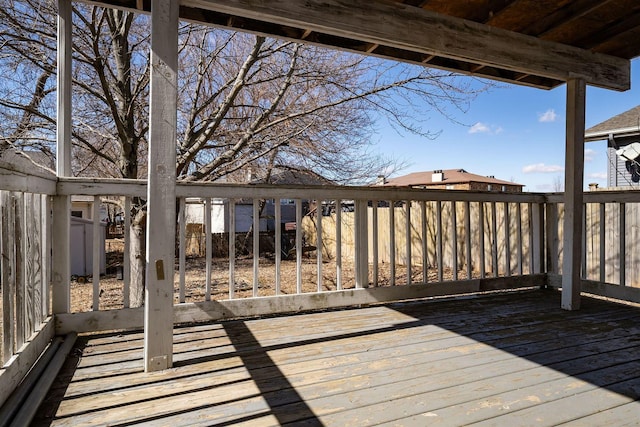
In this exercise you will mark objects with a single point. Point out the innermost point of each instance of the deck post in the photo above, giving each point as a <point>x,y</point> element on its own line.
<point>61,223</point>
<point>161,193</point>
<point>573,194</point>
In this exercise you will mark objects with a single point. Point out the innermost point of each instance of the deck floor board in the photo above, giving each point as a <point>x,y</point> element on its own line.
<point>504,359</point>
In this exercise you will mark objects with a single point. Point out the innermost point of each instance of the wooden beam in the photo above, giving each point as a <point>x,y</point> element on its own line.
<point>418,30</point>
<point>573,197</point>
<point>161,192</point>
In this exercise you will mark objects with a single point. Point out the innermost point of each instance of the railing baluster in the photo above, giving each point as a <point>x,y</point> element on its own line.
<point>583,243</point>
<point>507,240</point>
<point>494,239</point>
<point>374,247</point>
<point>278,242</point>
<point>319,245</point>
<point>467,232</point>
<point>298,246</point>
<point>19,270</point>
<point>519,237</point>
<point>7,269</point>
<point>361,244</point>
<point>408,237</point>
<point>46,251</point>
<point>338,244</point>
<point>454,241</point>
<point>623,243</point>
<point>208,248</point>
<point>481,248</point>
<point>182,256</point>
<point>232,248</point>
<point>96,252</point>
<point>126,270</point>
<point>392,243</point>
<point>425,257</point>
<point>439,240</point>
<point>256,245</point>
<point>603,242</point>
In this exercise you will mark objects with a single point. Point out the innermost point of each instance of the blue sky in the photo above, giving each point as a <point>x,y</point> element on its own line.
<point>515,133</point>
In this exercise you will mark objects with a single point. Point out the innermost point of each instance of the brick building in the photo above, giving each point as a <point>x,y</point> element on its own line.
<point>452,179</point>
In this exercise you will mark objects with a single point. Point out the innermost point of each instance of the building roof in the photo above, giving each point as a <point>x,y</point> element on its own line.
<point>450,177</point>
<point>294,177</point>
<point>624,124</point>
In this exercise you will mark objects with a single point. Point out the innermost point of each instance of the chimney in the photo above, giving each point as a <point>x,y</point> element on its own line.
<point>437,176</point>
<point>249,174</point>
<point>593,186</point>
<point>381,180</point>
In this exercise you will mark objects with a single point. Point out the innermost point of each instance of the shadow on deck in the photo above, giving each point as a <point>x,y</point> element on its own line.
<point>505,359</point>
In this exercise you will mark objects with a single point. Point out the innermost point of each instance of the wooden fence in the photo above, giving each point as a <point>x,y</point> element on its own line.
<point>467,240</point>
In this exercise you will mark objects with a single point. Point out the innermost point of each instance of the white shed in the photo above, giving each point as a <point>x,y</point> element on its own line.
<point>82,247</point>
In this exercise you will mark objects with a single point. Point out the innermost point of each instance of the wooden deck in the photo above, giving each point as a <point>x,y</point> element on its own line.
<point>508,359</point>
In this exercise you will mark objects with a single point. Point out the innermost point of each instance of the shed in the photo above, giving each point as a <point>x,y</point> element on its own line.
<point>82,247</point>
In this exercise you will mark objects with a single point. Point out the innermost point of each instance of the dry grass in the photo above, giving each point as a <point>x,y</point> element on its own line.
<point>111,289</point>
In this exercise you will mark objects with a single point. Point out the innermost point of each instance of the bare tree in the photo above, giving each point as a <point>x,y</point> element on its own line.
<point>245,101</point>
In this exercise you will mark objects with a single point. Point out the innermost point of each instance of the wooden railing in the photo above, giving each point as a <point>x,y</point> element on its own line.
<point>378,238</point>
<point>323,247</point>
<point>25,243</point>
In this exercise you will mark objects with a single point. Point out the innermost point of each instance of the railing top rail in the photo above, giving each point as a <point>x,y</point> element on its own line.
<point>19,173</point>
<point>137,188</point>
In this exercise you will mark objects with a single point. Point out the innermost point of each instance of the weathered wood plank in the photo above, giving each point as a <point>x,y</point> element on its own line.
<point>396,25</point>
<point>161,191</point>
<point>14,371</point>
<point>574,177</point>
<point>450,359</point>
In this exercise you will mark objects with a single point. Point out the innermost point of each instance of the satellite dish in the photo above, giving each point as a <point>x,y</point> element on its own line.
<point>630,152</point>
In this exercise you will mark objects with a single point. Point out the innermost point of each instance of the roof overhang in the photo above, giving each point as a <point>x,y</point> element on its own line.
<point>617,134</point>
<point>411,34</point>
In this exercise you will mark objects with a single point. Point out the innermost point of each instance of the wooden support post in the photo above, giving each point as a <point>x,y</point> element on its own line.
<point>161,193</point>
<point>60,262</point>
<point>63,149</point>
<point>574,170</point>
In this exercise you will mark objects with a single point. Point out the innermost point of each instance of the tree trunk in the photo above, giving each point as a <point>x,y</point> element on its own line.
<point>137,258</point>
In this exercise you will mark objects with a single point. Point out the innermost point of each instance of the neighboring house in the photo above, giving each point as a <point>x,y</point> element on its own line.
<point>195,207</point>
<point>452,179</point>
<point>620,132</point>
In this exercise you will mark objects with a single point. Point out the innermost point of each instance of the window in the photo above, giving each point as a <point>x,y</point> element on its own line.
<point>77,214</point>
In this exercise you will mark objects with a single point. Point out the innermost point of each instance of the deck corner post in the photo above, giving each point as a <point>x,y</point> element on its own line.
<point>61,219</point>
<point>161,189</point>
<point>573,195</point>
<point>60,255</point>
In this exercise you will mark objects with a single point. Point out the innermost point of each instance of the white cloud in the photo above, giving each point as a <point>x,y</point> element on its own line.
<point>479,128</point>
<point>542,168</point>
<point>598,175</point>
<point>589,154</point>
<point>548,116</point>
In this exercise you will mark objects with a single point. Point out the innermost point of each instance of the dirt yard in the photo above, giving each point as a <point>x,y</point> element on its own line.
<point>111,289</point>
